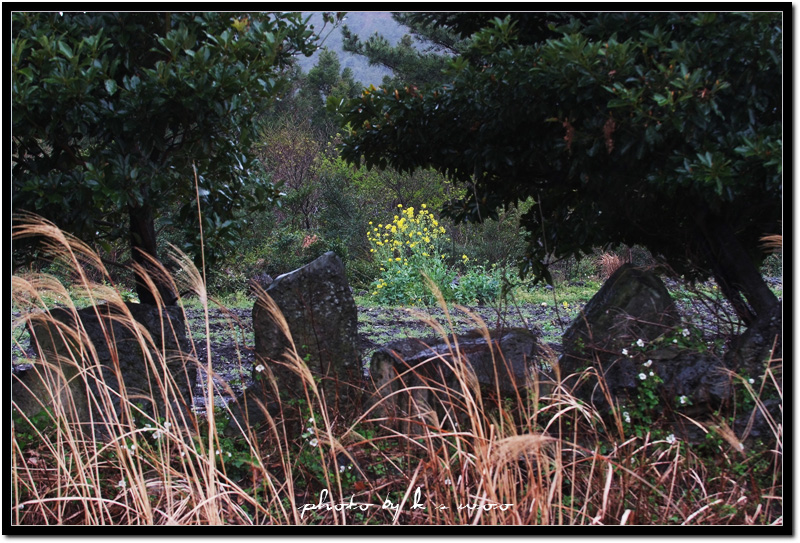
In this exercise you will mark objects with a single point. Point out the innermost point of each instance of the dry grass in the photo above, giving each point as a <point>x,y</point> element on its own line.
<point>608,263</point>
<point>772,243</point>
<point>543,457</point>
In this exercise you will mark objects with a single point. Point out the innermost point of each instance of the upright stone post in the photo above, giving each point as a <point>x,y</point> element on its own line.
<point>322,324</point>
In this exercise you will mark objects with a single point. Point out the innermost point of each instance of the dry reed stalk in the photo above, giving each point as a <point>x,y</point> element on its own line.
<point>772,243</point>
<point>608,264</point>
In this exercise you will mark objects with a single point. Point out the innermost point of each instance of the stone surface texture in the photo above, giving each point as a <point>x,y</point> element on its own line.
<point>143,354</point>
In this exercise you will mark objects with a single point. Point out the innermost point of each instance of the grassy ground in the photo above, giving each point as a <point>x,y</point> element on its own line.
<point>536,458</point>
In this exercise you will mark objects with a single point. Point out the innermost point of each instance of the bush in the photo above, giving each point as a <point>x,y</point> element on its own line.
<point>405,249</point>
<point>479,285</point>
<point>279,252</point>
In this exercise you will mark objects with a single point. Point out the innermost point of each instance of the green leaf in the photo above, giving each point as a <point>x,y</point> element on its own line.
<point>65,49</point>
<point>111,86</point>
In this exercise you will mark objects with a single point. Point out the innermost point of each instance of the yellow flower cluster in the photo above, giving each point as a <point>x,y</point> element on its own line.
<point>411,231</point>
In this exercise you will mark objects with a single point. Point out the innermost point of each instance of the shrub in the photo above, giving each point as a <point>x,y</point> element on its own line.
<point>406,248</point>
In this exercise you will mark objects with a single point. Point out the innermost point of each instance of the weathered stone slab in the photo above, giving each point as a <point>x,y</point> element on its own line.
<point>420,378</point>
<point>322,320</point>
<point>632,304</point>
<point>76,350</point>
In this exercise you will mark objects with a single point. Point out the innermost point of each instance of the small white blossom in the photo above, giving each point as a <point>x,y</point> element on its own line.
<point>167,425</point>
<point>685,332</point>
<point>625,352</point>
<point>674,341</point>
<point>260,368</point>
<point>313,442</point>
<point>448,482</point>
<point>640,342</point>
<point>311,420</point>
<point>157,434</point>
<point>642,376</point>
<point>671,439</point>
<point>229,455</point>
<point>652,374</point>
<point>751,381</point>
<point>544,304</point>
<point>342,468</point>
<point>682,399</point>
<point>648,364</point>
<point>626,416</point>
<point>121,483</point>
<point>217,452</point>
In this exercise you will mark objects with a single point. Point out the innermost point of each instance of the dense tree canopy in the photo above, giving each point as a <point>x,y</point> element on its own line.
<point>418,58</point>
<point>658,129</point>
<point>112,112</point>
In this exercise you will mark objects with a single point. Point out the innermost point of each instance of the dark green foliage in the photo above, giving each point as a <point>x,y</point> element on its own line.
<point>327,83</point>
<point>418,60</point>
<point>112,112</point>
<point>656,129</point>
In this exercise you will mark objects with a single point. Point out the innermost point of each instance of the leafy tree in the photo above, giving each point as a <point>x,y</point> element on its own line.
<point>112,113</point>
<point>658,129</point>
<point>292,154</point>
<point>418,58</point>
<point>327,82</point>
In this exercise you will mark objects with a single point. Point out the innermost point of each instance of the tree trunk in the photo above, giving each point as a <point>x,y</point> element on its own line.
<point>143,242</point>
<point>734,271</point>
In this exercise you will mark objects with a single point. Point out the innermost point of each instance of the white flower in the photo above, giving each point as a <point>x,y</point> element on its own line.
<point>671,439</point>
<point>183,453</point>
<point>685,332</point>
<point>167,425</point>
<point>311,420</point>
<point>121,483</point>
<point>652,374</point>
<point>751,381</point>
<point>642,376</point>
<point>682,399</point>
<point>544,304</point>
<point>674,341</point>
<point>157,434</point>
<point>640,342</point>
<point>260,368</point>
<point>229,455</point>
<point>342,468</point>
<point>626,416</point>
<point>625,352</point>
<point>217,452</point>
<point>648,364</point>
<point>313,442</point>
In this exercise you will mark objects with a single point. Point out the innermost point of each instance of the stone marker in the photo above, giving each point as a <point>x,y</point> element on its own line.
<point>426,367</point>
<point>322,319</point>
<point>66,364</point>
<point>632,304</point>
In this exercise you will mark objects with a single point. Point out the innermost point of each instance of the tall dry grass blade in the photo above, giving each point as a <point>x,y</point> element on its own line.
<point>772,243</point>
